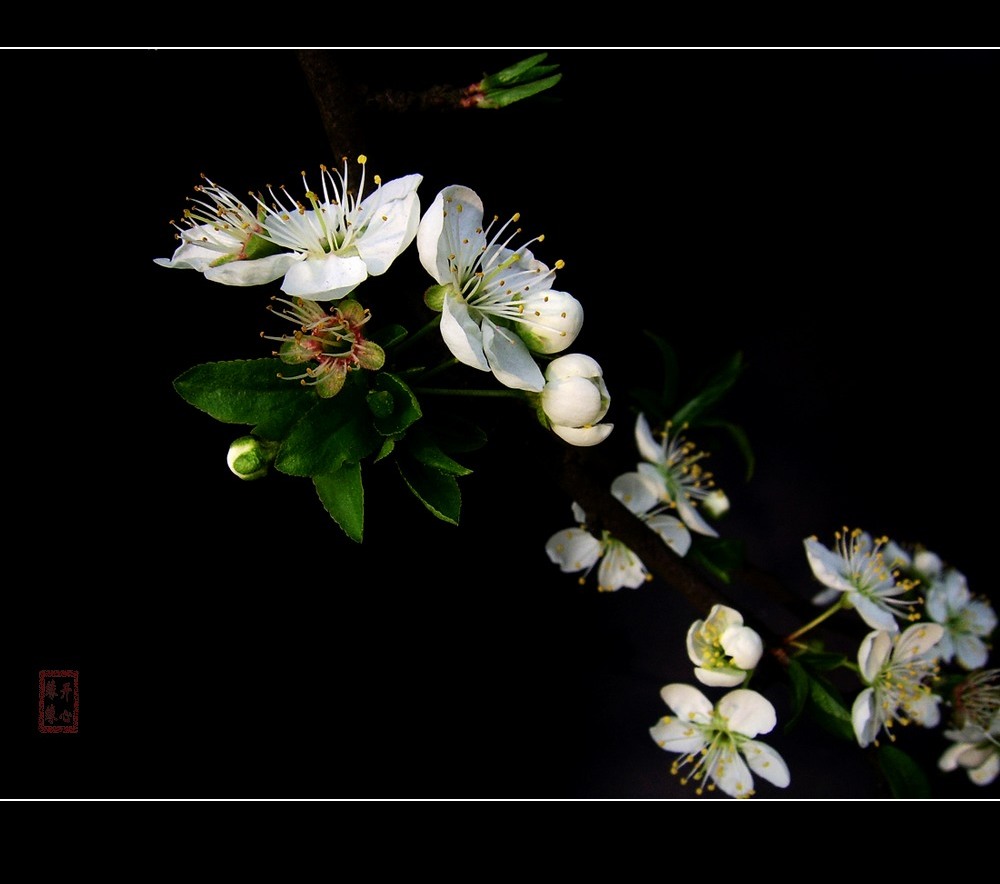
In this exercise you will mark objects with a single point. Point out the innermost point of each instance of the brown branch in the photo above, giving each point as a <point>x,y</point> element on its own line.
<point>338,102</point>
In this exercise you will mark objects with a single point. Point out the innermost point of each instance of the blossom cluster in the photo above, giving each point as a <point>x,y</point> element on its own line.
<point>669,480</point>
<point>499,310</point>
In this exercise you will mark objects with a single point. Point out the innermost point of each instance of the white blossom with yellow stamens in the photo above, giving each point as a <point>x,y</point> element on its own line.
<point>723,650</point>
<point>715,744</point>
<point>897,668</point>
<point>498,306</point>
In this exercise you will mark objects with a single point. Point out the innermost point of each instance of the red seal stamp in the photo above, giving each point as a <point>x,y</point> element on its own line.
<point>58,701</point>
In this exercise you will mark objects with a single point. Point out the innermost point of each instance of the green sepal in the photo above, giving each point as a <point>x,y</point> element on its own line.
<point>343,495</point>
<point>437,491</point>
<point>905,777</point>
<point>335,432</point>
<point>247,391</point>
<point>405,408</point>
<point>258,247</point>
<point>434,297</point>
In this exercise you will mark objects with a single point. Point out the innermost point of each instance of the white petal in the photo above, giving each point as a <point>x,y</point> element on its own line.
<point>981,617</point>
<point>895,556</point>
<point>573,365</point>
<point>925,711</point>
<point>748,712</point>
<point>676,735</point>
<point>620,567</point>
<point>692,518</point>
<point>864,718</point>
<point>578,513</point>
<point>873,614</point>
<point>927,563</point>
<point>191,256</point>
<point>917,640</point>
<point>573,549</point>
<point>687,702</point>
<point>949,760</point>
<point>987,772</point>
<point>462,334</point>
<point>583,436</point>
<point>826,565</point>
<point>744,645</point>
<point>732,775</point>
<point>719,678</point>
<point>572,402</point>
<point>766,763</point>
<point>873,654</point>
<point>324,279</point>
<point>509,359</point>
<point>936,603</point>
<point>256,271</point>
<point>635,491</point>
<point>826,597</point>
<point>443,228</point>
<point>383,241</point>
<point>674,533</point>
<point>555,328</point>
<point>648,447</point>
<point>970,651</point>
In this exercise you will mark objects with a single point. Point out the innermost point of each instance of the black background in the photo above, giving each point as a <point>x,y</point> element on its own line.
<point>830,213</point>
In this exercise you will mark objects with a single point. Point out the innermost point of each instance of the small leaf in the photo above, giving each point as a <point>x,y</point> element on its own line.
<point>388,335</point>
<point>422,446</point>
<point>714,390</point>
<point>247,391</point>
<point>905,777</point>
<point>387,448</point>
<point>720,556</point>
<point>343,496</point>
<point>337,431</point>
<point>512,73</point>
<point>800,692</point>
<point>739,437</point>
<point>405,406</point>
<point>830,711</point>
<point>437,491</point>
<point>504,97</point>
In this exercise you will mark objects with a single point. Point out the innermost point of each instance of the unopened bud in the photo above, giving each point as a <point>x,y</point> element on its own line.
<point>250,457</point>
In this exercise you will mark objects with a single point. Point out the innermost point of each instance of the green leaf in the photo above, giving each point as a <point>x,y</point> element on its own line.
<point>343,496</point>
<point>388,335</point>
<point>437,491</point>
<point>905,777</point>
<point>714,390</point>
<point>512,74</point>
<point>503,97</point>
<point>422,446</point>
<point>830,710</point>
<point>800,692</point>
<point>247,391</point>
<point>405,406</point>
<point>456,434</point>
<point>387,447</point>
<point>720,556</point>
<point>337,431</point>
<point>739,437</point>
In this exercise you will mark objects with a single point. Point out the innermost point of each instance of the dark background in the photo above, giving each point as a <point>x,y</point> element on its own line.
<point>829,213</point>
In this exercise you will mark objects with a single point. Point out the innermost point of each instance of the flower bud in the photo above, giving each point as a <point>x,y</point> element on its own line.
<point>552,320</point>
<point>250,457</point>
<point>575,399</point>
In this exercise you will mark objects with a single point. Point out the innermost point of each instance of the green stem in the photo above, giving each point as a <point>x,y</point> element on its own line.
<point>829,612</point>
<point>448,363</point>
<point>425,329</point>
<point>449,391</point>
